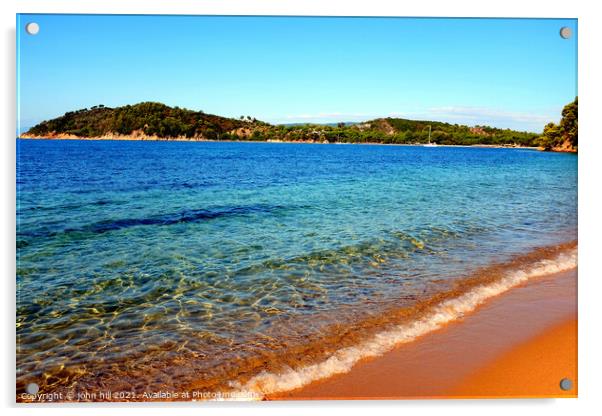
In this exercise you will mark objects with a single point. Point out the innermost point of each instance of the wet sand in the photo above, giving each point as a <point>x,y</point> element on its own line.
<point>519,344</point>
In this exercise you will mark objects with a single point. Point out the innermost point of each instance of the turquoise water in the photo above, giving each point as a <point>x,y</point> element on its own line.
<point>169,263</point>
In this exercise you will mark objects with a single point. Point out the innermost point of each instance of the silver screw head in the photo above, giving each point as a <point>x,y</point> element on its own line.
<point>566,384</point>
<point>32,388</point>
<point>32,28</point>
<point>565,32</point>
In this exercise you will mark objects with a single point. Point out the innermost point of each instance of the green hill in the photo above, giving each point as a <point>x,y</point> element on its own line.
<point>148,118</point>
<point>158,121</point>
<point>399,130</point>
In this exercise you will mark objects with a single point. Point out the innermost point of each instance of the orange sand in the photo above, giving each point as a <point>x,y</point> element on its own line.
<point>519,344</point>
<point>531,369</point>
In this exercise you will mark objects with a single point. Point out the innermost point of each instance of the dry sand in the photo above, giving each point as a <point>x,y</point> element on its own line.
<point>519,344</point>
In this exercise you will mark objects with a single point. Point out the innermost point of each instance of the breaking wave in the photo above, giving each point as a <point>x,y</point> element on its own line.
<point>440,314</point>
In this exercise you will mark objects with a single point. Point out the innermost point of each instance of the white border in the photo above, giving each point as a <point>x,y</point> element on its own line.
<point>590,174</point>
<point>458,8</point>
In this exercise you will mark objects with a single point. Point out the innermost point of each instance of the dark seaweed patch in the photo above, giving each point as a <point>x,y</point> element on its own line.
<point>186,216</point>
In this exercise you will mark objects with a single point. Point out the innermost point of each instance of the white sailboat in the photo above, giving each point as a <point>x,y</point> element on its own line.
<point>429,144</point>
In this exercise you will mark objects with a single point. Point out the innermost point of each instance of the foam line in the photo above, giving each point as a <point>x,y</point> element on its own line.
<point>447,311</point>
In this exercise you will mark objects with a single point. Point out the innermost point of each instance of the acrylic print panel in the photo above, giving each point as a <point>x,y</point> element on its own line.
<point>292,208</point>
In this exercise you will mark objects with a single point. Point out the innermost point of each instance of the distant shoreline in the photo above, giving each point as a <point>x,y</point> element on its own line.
<point>158,122</point>
<point>188,139</point>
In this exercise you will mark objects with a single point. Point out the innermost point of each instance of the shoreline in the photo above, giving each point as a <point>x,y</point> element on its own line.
<point>548,274</point>
<point>507,347</point>
<point>459,334</point>
<point>199,140</point>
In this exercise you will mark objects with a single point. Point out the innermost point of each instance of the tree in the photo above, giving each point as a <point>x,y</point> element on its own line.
<point>550,137</point>
<point>565,134</point>
<point>568,124</point>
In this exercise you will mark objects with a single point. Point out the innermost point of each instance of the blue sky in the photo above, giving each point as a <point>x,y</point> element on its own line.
<point>510,73</point>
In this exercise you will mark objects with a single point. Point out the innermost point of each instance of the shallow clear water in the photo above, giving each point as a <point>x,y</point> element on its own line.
<point>156,263</point>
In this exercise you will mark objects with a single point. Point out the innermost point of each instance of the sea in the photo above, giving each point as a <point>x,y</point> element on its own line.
<point>257,268</point>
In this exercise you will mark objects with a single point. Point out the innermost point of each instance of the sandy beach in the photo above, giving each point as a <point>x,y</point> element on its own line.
<point>519,344</point>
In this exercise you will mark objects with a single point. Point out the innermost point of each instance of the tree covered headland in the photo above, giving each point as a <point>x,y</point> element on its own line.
<point>563,136</point>
<point>159,121</point>
<point>151,119</point>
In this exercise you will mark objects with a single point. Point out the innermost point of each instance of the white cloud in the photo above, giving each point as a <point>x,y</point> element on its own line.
<point>484,113</point>
<point>530,121</point>
<point>323,117</point>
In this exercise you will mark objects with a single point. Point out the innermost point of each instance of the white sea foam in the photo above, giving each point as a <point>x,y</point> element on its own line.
<point>449,310</point>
